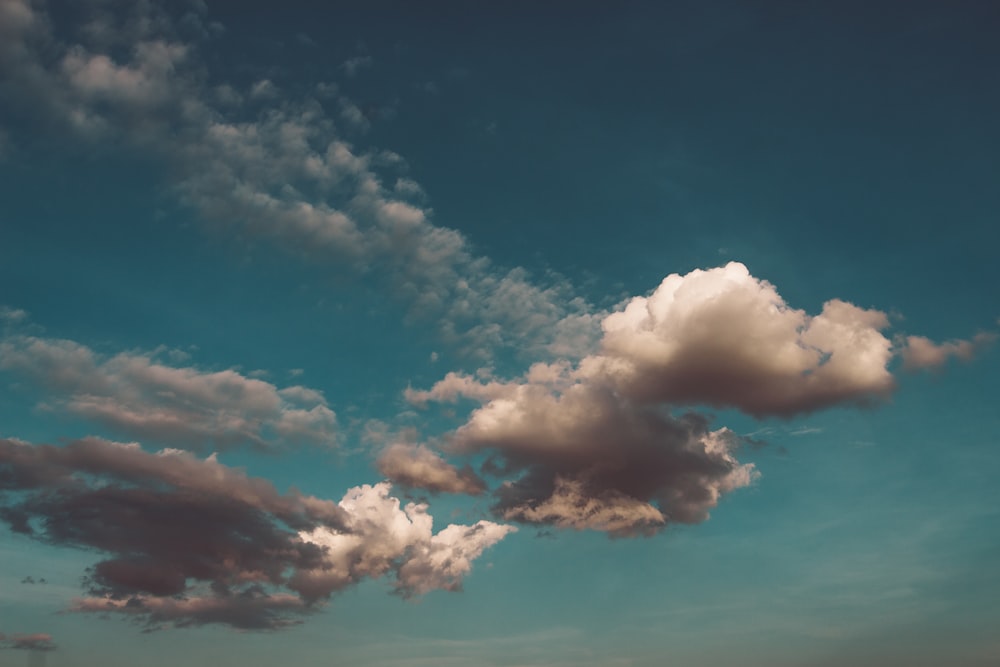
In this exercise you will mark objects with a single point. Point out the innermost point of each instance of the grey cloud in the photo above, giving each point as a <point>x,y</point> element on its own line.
<point>352,66</point>
<point>583,456</point>
<point>416,466</point>
<point>138,396</point>
<point>187,541</point>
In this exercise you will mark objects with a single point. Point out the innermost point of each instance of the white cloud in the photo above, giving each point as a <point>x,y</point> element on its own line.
<point>381,537</point>
<point>724,338</point>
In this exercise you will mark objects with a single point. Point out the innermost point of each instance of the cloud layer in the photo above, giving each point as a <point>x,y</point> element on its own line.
<point>189,541</point>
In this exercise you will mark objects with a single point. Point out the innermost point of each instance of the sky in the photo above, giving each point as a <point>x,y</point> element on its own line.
<point>501,334</point>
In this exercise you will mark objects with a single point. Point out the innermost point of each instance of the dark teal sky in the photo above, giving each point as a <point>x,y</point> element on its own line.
<point>260,231</point>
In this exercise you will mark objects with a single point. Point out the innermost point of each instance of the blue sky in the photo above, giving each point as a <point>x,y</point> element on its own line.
<point>630,334</point>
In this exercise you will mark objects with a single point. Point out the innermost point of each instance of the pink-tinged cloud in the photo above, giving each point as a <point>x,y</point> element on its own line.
<point>920,352</point>
<point>188,541</point>
<point>138,396</point>
<point>417,467</point>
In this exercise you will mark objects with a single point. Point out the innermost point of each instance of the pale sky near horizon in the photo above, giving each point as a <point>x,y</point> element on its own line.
<point>501,334</point>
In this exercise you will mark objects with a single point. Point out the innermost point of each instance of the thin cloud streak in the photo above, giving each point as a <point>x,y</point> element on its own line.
<point>136,395</point>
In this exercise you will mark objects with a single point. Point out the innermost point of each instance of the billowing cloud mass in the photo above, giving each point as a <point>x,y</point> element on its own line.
<point>275,169</point>
<point>724,338</point>
<point>416,466</point>
<point>188,541</point>
<point>37,641</point>
<point>138,396</point>
<point>588,457</point>
<point>594,444</point>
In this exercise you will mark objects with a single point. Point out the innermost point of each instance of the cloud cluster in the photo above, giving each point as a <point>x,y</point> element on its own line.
<point>189,541</point>
<point>138,396</point>
<point>594,444</point>
<point>276,169</point>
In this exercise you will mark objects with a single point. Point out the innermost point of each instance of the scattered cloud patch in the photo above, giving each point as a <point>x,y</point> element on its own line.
<point>352,66</point>
<point>285,177</point>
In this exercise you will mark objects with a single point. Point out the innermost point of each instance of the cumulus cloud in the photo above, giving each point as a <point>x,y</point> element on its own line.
<point>287,176</point>
<point>417,467</point>
<point>595,444</point>
<point>138,396</point>
<point>724,338</point>
<point>384,536</point>
<point>28,642</point>
<point>188,541</point>
<point>920,352</point>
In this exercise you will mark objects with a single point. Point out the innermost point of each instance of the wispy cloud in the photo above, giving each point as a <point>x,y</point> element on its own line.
<point>920,352</point>
<point>353,65</point>
<point>140,396</point>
